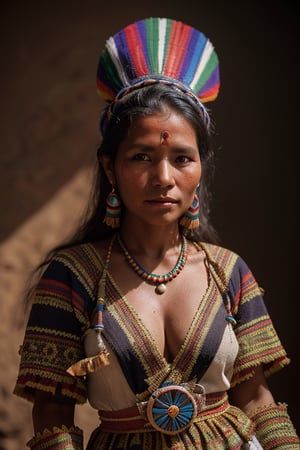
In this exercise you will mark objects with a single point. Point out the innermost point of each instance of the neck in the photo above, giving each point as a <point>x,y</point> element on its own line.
<point>151,241</point>
<point>157,279</point>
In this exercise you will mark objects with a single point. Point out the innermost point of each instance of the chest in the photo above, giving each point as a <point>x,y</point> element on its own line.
<point>167,317</point>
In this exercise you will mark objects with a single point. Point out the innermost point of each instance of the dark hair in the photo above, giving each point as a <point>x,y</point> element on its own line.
<point>146,101</point>
<point>142,102</point>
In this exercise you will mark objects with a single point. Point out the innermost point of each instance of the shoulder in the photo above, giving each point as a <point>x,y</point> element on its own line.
<point>220,255</point>
<point>230,263</point>
<point>78,256</point>
<point>232,268</point>
<point>79,263</point>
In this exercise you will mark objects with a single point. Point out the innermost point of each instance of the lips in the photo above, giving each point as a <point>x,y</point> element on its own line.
<point>162,203</point>
<point>162,200</point>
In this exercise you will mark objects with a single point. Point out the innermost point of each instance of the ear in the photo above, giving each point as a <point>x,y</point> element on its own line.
<point>107,165</point>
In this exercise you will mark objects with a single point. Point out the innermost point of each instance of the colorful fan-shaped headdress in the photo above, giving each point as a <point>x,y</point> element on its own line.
<point>158,50</point>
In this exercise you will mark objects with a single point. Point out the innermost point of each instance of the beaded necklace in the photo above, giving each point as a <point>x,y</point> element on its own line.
<point>158,280</point>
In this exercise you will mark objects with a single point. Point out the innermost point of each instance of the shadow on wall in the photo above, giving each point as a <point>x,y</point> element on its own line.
<point>49,131</point>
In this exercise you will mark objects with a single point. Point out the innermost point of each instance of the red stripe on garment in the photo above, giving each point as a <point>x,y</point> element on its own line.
<point>136,51</point>
<point>244,280</point>
<point>177,46</point>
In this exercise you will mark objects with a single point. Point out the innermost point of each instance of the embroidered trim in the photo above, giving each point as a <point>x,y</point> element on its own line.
<point>274,428</point>
<point>63,437</point>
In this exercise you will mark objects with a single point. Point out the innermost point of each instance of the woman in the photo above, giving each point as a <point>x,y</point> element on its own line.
<point>162,329</point>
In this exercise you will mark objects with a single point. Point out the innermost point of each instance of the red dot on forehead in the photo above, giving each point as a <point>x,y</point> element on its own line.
<point>164,135</point>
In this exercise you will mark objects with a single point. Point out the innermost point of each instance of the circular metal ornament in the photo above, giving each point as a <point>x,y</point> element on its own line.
<point>160,289</point>
<point>171,409</point>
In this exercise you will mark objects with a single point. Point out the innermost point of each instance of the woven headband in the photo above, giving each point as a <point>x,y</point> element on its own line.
<point>158,50</point>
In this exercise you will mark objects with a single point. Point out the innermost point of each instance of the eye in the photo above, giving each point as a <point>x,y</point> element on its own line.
<point>141,157</point>
<point>183,159</point>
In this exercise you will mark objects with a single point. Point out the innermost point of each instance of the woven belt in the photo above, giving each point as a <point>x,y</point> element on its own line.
<point>170,410</point>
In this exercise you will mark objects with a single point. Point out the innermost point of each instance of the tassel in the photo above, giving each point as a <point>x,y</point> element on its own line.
<point>89,365</point>
<point>92,363</point>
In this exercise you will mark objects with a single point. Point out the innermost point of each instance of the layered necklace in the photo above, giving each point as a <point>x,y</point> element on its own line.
<point>159,281</point>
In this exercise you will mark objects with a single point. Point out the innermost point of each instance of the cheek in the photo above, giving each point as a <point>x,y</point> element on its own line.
<point>130,184</point>
<point>192,179</point>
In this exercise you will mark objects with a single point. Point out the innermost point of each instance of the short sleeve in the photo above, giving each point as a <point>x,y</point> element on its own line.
<point>53,336</point>
<point>257,338</point>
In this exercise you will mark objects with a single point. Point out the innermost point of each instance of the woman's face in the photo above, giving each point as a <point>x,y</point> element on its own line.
<point>157,168</point>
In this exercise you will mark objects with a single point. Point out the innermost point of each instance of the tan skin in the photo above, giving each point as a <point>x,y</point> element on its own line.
<point>157,179</point>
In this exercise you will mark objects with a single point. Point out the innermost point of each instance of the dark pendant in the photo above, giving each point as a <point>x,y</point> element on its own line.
<point>160,289</point>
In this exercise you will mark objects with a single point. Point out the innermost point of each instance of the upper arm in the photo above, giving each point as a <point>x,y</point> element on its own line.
<point>252,393</point>
<point>49,411</point>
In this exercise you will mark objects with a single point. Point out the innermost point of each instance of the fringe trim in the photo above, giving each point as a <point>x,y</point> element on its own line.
<point>112,222</point>
<point>27,390</point>
<point>248,370</point>
<point>190,224</point>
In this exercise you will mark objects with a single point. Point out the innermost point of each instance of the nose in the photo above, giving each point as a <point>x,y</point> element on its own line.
<point>163,174</point>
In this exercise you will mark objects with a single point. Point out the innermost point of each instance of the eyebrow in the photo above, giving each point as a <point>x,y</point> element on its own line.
<point>151,148</point>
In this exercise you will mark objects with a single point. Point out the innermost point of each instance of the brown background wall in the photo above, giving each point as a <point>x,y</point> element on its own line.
<point>48,129</point>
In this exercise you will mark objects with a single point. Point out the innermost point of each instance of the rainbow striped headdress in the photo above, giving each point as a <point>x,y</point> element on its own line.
<point>158,50</point>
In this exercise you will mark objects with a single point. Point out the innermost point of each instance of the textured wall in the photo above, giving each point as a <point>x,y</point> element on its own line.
<point>49,116</point>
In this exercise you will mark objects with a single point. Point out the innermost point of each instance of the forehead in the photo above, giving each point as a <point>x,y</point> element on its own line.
<point>155,124</point>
